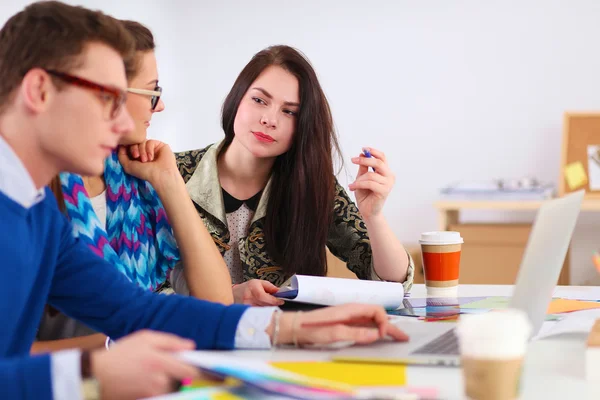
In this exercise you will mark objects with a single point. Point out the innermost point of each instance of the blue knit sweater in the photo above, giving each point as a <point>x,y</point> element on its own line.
<point>42,263</point>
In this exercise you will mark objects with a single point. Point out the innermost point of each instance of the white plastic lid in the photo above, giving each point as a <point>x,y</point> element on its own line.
<point>441,238</point>
<point>495,334</point>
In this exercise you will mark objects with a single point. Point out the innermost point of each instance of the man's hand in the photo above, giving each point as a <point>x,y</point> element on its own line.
<point>141,365</point>
<point>357,323</point>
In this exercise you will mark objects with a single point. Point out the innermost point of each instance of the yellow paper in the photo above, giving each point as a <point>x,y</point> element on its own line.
<point>226,396</point>
<point>558,306</point>
<point>575,175</point>
<point>357,374</point>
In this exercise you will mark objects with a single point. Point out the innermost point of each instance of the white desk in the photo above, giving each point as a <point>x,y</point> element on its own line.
<point>554,367</point>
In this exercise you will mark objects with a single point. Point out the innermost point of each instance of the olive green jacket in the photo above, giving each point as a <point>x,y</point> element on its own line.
<point>348,238</point>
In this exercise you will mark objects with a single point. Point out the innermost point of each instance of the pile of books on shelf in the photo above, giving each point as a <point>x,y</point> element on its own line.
<point>508,190</point>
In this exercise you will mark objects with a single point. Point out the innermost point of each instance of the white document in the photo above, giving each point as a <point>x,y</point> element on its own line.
<point>574,322</point>
<point>589,293</point>
<point>336,291</point>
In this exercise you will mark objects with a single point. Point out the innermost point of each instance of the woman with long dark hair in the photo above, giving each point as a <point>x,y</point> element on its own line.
<point>268,193</point>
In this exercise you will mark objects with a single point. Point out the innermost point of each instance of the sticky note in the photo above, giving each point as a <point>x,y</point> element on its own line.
<point>359,374</point>
<point>575,175</point>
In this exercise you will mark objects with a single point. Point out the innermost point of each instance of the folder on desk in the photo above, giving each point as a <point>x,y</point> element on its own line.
<point>328,291</point>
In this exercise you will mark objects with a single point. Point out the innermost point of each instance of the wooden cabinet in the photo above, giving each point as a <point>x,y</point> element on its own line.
<point>492,253</point>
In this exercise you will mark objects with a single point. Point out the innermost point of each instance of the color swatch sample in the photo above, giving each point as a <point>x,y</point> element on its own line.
<point>493,303</point>
<point>267,378</point>
<point>558,306</point>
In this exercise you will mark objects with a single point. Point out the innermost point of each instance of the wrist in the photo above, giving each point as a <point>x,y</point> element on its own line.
<point>166,181</point>
<point>284,333</point>
<point>96,363</point>
<point>90,388</point>
<point>374,219</point>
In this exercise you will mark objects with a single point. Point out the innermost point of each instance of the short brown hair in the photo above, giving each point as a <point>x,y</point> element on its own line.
<point>52,35</point>
<point>144,42</point>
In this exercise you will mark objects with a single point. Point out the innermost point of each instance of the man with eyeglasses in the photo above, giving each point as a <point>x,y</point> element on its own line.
<point>62,89</point>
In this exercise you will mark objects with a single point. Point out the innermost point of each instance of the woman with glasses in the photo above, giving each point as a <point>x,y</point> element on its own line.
<point>137,215</point>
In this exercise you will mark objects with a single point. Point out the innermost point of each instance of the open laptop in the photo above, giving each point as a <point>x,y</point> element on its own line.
<point>436,344</point>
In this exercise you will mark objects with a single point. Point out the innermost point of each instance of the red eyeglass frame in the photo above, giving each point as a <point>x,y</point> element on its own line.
<point>119,96</point>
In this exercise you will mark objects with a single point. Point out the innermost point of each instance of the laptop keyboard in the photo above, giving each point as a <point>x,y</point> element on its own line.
<point>446,344</point>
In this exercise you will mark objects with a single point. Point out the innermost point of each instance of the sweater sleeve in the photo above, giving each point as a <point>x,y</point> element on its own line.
<point>26,378</point>
<point>89,289</point>
<point>349,240</point>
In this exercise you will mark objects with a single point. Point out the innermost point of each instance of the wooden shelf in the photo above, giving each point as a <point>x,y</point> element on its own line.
<point>487,205</point>
<point>449,218</point>
<point>526,205</point>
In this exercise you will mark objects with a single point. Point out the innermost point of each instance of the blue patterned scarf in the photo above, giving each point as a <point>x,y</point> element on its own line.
<point>138,239</point>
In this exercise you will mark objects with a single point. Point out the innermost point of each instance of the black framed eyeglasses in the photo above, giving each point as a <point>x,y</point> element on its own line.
<point>115,97</point>
<point>154,94</point>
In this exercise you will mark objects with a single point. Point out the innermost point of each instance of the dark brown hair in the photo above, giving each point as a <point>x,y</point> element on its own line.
<point>300,205</point>
<point>144,42</point>
<point>52,35</point>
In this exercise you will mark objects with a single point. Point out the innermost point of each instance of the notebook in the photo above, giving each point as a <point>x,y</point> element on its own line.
<point>328,291</point>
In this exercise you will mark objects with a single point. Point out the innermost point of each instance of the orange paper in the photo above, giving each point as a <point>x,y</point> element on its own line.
<point>558,306</point>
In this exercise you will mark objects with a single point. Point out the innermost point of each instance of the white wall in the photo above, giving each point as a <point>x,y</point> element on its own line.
<point>448,89</point>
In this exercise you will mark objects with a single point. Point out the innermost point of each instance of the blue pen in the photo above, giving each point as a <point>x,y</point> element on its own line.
<point>368,154</point>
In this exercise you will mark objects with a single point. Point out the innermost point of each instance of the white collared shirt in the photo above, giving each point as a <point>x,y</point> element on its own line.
<point>15,181</point>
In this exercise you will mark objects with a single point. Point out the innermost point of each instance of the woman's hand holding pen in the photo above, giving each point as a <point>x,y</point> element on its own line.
<point>372,188</point>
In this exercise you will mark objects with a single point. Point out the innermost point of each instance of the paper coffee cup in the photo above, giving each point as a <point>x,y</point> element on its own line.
<point>441,262</point>
<point>492,347</point>
<point>446,292</point>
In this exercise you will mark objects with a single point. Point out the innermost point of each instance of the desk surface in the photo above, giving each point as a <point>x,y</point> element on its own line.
<point>554,367</point>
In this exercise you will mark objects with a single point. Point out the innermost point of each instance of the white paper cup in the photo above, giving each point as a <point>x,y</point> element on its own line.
<point>447,292</point>
<point>492,347</point>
